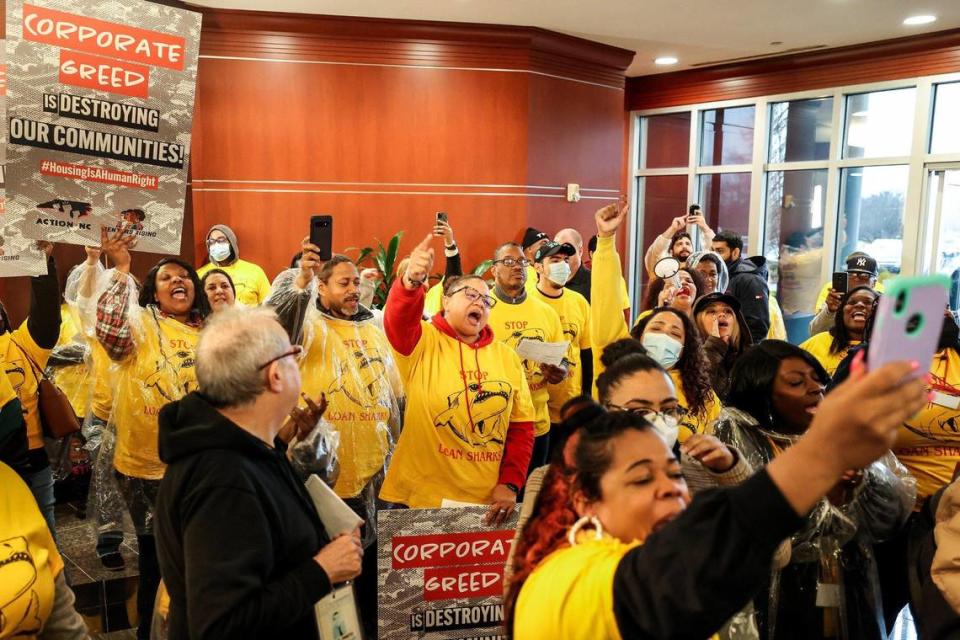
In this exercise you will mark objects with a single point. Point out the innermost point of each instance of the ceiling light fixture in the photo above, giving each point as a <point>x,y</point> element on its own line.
<point>664,60</point>
<point>913,21</point>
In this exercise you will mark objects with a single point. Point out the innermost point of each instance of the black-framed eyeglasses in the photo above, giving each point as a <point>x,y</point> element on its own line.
<point>512,262</point>
<point>473,296</point>
<point>295,350</point>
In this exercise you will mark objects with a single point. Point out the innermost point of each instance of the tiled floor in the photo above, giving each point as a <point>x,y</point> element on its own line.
<point>106,599</point>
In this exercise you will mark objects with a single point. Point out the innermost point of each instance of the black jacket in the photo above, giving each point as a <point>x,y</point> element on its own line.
<point>748,284</point>
<point>721,357</point>
<point>233,518</point>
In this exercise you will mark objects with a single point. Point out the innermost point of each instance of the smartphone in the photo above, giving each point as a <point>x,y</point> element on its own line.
<point>694,210</point>
<point>908,321</point>
<point>321,235</point>
<point>441,216</point>
<point>840,281</point>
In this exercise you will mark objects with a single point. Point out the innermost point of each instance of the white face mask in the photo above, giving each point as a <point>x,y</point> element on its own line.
<point>219,251</point>
<point>662,348</point>
<point>667,428</point>
<point>558,273</point>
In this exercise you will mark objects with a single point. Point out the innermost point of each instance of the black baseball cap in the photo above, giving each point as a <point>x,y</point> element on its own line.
<point>860,262</point>
<point>551,248</point>
<point>716,296</point>
<point>532,236</point>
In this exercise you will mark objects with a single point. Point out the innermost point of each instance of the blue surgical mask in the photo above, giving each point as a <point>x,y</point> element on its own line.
<point>219,251</point>
<point>559,273</point>
<point>662,348</point>
<point>667,428</point>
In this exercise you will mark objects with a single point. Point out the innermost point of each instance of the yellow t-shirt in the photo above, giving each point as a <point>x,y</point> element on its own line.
<point>433,301</point>
<point>460,402</point>
<point>778,330</point>
<point>74,379</point>
<point>249,280</point>
<point>928,445</point>
<point>529,320</point>
<point>574,312</point>
<point>104,374</point>
<point>160,370</point>
<point>819,347</point>
<point>29,560</point>
<point>570,594</point>
<point>695,423</point>
<point>15,348</point>
<point>352,363</point>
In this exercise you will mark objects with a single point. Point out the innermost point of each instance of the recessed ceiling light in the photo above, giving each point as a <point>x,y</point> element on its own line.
<point>915,20</point>
<point>665,60</point>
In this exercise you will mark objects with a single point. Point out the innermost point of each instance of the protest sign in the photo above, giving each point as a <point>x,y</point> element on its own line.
<point>100,107</point>
<point>441,573</point>
<point>19,256</point>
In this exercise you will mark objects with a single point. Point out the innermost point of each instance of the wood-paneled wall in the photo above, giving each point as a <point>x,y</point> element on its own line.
<point>382,123</point>
<point>928,54</point>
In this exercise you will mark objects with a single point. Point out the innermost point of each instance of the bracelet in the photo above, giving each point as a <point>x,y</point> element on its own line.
<point>512,487</point>
<point>415,283</point>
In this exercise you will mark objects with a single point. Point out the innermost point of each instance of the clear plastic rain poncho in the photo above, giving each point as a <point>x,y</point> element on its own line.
<point>352,364</point>
<point>723,276</point>
<point>155,368</point>
<point>831,580</point>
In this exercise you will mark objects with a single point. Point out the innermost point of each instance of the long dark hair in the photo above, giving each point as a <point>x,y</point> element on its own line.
<point>622,359</point>
<point>841,337</point>
<point>205,308</point>
<point>148,294</point>
<point>656,285</point>
<point>694,377</point>
<point>546,531</point>
<point>752,378</point>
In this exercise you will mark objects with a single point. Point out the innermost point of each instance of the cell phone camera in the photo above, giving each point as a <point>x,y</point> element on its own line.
<point>901,302</point>
<point>914,323</point>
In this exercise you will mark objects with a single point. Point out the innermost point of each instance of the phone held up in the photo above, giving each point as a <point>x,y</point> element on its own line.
<point>694,210</point>
<point>321,235</point>
<point>839,281</point>
<point>441,216</point>
<point>908,321</point>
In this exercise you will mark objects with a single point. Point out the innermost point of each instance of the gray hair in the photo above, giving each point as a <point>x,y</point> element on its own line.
<point>233,345</point>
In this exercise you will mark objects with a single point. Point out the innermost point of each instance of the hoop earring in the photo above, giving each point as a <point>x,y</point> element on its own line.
<point>579,524</point>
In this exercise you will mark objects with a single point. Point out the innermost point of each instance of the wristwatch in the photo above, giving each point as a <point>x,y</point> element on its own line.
<point>512,487</point>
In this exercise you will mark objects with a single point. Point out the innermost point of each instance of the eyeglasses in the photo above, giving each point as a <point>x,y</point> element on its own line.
<point>512,262</point>
<point>295,350</point>
<point>473,296</point>
<point>650,415</point>
<point>213,241</point>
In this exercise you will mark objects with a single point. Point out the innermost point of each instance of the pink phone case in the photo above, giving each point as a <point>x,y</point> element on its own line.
<point>910,333</point>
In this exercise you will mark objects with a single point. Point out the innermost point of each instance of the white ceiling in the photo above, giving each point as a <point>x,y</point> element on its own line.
<point>695,31</point>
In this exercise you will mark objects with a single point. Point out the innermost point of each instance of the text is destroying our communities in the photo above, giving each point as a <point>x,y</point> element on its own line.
<point>100,108</point>
<point>441,585</point>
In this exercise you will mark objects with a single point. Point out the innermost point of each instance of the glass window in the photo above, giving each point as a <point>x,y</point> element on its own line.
<point>946,125</point>
<point>725,200</point>
<point>665,141</point>
<point>800,130</point>
<point>727,136</point>
<point>663,199</point>
<point>879,124</point>
<point>871,215</point>
<point>793,243</point>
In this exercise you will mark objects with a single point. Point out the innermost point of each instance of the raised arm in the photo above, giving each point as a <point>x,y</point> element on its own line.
<point>113,307</point>
<point>401,318</point>
<point>43,323</point>
<point>293,291</point>
<point>606,315</point>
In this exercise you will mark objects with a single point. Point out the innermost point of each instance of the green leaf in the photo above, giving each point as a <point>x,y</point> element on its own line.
<point>482,268</point>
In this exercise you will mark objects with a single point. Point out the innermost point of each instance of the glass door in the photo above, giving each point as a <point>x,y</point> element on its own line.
<point>942,250</point>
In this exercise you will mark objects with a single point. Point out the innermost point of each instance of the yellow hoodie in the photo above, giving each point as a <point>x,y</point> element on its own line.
<point>251,283</point>
<point>18,350</point>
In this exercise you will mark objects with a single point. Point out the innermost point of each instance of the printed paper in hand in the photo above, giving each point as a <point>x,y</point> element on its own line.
<point>336,516</point>
<point>337,615</point>
<point>551,353</point>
